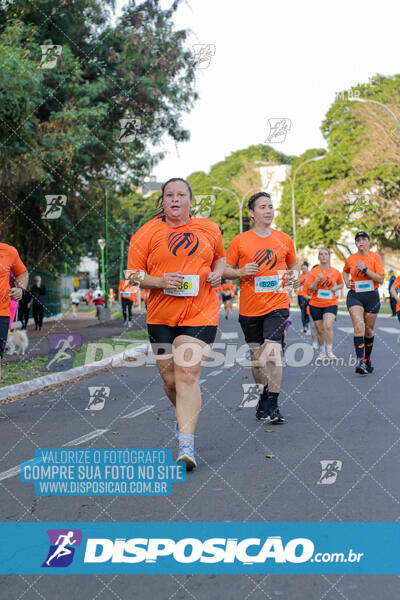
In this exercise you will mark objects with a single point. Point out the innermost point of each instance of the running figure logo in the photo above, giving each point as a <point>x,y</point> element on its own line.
<point>183,242</point>
<point>98,397</point>
<point>251,395</point>
<point>330,471</point>
<point>265,256</point>
<point>54,207</point>
<point>50,54</point>
<point>62,347</point>
<point>62,550</point>
<point>203,203</point>
<point>278,129</point>
<point>129,129</point>
<point>203,54</point>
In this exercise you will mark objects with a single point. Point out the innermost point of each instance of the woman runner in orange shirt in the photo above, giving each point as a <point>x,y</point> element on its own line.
<point>180,258</point>
<point>323,282</point>
<point>363,273</point>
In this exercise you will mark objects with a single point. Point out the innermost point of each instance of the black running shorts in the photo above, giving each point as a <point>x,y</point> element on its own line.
<point>370,301</point>
<point>4,324</point>
<point>265,327</point>
<point>398,315</point>
<point>226,298</point>
<point>162,336</point>
<point>317,312</point>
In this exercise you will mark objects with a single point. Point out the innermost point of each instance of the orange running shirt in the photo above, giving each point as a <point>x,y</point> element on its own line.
<point>396,285</point>
<point>191,249</point>
<point>301,291</point>
<point>128,291</point>
<point>273,253</point>
<point>330,277</point>
<point>9,261</point>
<point>372,261</point>
<point>227,289</point>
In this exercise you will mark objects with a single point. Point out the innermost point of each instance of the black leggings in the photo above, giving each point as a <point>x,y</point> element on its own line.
<point>126,304</point>
<point>303,303</point>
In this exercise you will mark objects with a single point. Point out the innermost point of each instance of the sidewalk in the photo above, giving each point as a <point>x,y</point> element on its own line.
<point>88,327</point>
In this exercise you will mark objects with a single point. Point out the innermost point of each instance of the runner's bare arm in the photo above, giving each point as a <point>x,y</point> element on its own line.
<point>313,286</point>
<point>167,281</point>
<point>20,280</point>
<point>346,278</point>
<point>394,294</point>
<point>217,269</point>
<point>231,272</point>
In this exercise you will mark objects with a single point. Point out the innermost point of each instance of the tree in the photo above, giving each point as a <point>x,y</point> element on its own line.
<point>357,185</point>
<point>64,128</point>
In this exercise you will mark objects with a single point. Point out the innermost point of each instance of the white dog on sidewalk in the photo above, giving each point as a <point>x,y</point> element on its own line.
<point>17,342</point>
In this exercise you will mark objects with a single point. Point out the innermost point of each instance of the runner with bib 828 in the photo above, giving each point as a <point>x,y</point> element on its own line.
<point>264,260</point>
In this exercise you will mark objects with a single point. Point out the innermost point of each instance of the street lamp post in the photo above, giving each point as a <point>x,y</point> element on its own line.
<point>293,179</point>
<point>238,200</point>
<point>106,183</point>
<point>102,244</point>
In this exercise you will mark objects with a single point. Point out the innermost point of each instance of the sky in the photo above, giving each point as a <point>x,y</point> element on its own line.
<point>276,60</point>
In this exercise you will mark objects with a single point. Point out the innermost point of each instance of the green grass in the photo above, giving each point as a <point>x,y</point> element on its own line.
<point>32,369</point>
<point>24,371</point>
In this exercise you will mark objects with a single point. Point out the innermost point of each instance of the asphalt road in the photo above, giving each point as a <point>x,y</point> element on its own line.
<point>331,414</point>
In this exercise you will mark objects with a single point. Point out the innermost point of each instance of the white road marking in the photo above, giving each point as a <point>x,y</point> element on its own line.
<point>389,330</point>
<point>85,438</point>
<point>202,381</point>
<point>229,335</point>
<point>346,329</point>
<point>10,473</point>
<point>15,470</point>
<point>214,373</point>
<point>138,412</point>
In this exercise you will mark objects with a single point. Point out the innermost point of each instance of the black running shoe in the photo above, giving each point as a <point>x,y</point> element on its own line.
<point>262,412</point>
<point>360,367</point>
<point>369,367</point>
<point>275,416</point>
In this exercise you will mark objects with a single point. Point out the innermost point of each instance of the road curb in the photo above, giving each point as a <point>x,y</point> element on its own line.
<point>35,385</point>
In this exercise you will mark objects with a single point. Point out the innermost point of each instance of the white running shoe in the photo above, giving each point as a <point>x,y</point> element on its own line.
<point>188,460</point>
<point>321,356</point>
<point>331,356</point>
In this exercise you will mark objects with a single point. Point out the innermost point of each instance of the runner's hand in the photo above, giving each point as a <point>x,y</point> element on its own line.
<point>249,269</point>
<point>360,265</point>
<point>214,278</point>
<point>15,293</point>
<point>171,281</point>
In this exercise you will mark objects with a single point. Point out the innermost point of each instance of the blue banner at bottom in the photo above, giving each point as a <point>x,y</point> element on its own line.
<point>208,548</point>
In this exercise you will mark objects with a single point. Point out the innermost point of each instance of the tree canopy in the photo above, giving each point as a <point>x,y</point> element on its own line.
<point>62,127</point>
